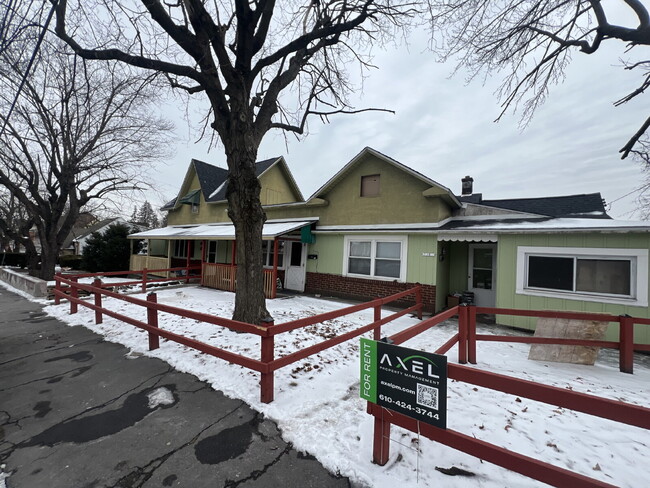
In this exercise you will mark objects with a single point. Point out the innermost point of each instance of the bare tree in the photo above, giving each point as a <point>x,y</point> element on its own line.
<point>77,134</point>
<point>259,65</point>
<point>532,42</point>
<point>15,226</point>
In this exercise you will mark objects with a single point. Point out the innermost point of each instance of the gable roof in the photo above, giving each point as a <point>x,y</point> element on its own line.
<point>446,192</point>
<point>579,206</point>
<point>213,180</point>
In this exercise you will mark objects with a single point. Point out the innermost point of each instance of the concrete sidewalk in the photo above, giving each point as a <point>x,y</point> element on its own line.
<point>76,411</point>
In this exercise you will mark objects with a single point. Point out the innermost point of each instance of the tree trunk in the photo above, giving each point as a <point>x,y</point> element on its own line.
<point>49,257</point>
<point>245,211</point>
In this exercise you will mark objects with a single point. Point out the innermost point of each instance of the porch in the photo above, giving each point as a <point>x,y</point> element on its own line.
<point>214,249</point>
<point>468,267</point>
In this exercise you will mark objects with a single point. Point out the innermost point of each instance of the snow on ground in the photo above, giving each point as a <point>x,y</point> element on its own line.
<point>318,408</point>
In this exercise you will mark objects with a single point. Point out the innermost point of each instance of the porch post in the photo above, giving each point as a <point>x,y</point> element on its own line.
<point>187,261</point>
<point>274,285</point>
<point>204,250</point>
<point>169,257</point>
<point>233,265</point>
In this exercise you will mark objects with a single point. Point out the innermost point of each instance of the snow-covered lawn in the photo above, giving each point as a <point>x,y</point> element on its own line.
<point>318,408</point>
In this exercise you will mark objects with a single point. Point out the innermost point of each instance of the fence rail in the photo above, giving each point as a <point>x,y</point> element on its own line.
<point>267,364</point>
<point>466,339</point>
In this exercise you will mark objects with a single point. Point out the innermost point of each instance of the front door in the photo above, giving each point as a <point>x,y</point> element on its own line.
<point>482,274</point>
<point>294,278</point>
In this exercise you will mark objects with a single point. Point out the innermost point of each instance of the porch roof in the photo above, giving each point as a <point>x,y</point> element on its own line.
<point>222,231</point>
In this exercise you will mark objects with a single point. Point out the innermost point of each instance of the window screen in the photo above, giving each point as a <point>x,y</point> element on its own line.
<point>607,276</point>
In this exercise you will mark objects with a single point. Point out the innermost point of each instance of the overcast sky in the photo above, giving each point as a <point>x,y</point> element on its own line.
<point>444,129</point>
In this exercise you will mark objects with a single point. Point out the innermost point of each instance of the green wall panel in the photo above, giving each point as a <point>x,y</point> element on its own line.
<point>421,268</point>
<point>329,248</point>
<point>506,282</point>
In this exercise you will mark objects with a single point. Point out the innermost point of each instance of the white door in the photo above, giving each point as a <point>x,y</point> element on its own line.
<point>482,273</point>
<point>294,276</point>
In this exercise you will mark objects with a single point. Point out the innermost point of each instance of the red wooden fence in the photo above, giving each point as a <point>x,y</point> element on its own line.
<point>466,339</point>
<point>267,364</point>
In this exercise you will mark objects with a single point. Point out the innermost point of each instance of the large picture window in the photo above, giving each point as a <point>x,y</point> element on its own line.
<point>382,258</point>
<point>610,275</point>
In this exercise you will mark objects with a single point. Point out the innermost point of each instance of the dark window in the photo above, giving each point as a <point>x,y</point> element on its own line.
<point>180,249</point>
<point>370,186</point>
<point>550,272</point>
<point>575,274</point>
<point>296,254</point>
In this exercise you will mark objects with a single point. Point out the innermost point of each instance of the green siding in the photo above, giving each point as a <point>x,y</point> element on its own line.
<point>458,252</point>
<point>420,268</point>
<point>329,249</point>
<point>506,282</point>
<point>442,275</point>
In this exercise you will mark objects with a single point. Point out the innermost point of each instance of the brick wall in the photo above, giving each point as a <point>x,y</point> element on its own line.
<point>364,289</point>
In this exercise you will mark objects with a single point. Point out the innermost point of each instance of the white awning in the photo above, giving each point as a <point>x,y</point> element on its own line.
<point>271,230</point>
<point>468,237</point>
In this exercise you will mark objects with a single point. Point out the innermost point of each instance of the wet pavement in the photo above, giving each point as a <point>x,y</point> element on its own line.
<point>76,411</point>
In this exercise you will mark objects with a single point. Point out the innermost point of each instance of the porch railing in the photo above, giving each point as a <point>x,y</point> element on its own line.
<point>140,262</point>
<point>224,277</point>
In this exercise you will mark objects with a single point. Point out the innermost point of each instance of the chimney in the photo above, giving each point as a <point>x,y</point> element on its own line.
<point>467,186</point>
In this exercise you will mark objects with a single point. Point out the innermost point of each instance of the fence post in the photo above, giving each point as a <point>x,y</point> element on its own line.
<point>97,283</point>
<point>471,334</point>
<point>152,321</point>
<point>144,280</point>
<point>381,440</point>
<point>267,355</point>
<point>376,332</point>
<point>626,344</point>
<point>418,300</point>
<point>74,293</point>
<point>57,288</point>
<point>462,333</point>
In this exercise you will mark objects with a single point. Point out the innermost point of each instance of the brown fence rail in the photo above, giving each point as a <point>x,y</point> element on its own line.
<point>466,339</point>
<point>267,364</point>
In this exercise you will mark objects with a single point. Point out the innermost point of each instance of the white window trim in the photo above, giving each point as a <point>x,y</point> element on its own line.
<point>184,249</point>
<point>639,270</point>
<point>403,240</point>
<point>267,255</point>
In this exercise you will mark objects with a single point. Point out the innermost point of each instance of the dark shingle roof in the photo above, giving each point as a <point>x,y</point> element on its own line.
<point>214,180</point>
<point>210,178</point>
<point>220,181</point>
<point>584,206</point>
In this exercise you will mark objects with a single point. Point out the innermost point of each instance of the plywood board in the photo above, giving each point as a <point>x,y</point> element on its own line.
<point>567,329</point>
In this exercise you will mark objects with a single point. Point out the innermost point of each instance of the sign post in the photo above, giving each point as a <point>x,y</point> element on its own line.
<point>408,381</point>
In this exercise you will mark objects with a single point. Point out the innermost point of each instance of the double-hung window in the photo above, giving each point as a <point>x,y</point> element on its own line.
<point>380,258</point>
<point>268,248</point>
<point>180,249</point>
<point>591,274</point>
<point>219,252</point>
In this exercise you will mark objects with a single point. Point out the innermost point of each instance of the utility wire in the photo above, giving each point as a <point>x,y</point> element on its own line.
<point>29,65</point>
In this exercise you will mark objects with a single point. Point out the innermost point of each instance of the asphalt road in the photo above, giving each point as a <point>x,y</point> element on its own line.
<point>76,411</point>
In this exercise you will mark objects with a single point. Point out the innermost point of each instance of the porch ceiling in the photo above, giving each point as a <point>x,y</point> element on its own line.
<point>271,230</point>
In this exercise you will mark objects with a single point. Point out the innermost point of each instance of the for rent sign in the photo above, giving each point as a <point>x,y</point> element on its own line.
<point>408,381</point>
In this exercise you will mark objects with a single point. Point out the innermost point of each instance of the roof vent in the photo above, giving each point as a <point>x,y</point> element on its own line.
<point>467,186</point>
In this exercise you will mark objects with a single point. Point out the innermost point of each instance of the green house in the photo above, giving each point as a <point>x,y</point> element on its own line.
<point>378,227</point>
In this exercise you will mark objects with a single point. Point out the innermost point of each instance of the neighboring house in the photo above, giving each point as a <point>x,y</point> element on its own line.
<point>378,227</point>
<point>78,237</point>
